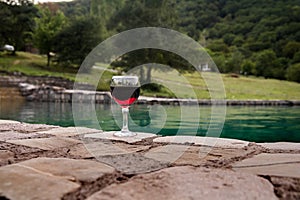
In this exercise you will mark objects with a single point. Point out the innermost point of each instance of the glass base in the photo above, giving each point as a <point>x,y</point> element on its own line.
<point>124,134</point>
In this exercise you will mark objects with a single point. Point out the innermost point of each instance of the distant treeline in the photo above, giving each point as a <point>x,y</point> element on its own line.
<point>250,37</point>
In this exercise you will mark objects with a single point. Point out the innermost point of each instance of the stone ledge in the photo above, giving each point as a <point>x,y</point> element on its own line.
<point>127,157</point>
<point>205,141</point>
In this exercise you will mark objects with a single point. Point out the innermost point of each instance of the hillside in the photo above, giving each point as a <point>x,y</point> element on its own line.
<point>250,37</point>
<point>241,87</point>
<point>260,38</point>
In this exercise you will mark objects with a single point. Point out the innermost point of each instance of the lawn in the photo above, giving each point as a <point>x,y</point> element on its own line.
<point>182,85</point>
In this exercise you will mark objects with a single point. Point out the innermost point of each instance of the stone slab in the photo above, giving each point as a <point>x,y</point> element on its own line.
<point>70,169</point>
<point>205,141</point>
<point>70,131</point>
<point>187,183</point>
<point>279,164</point>
<point>8,122</point>
<point>23,183</point>
<point>46,143</point>
<point>12,135</point>
<point>101,148</point>
<point>109,136</point>
<point>283,146</point>
<point>80,150</point>
<point>194,155</point>
<point>105,149</point>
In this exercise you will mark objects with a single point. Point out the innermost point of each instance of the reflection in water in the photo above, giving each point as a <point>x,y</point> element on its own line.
<point>11,101</point>
<point>260,124</point>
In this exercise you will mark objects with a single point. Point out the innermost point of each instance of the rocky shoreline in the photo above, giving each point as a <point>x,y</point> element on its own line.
<point>51,162</point>
<point>51,89</point>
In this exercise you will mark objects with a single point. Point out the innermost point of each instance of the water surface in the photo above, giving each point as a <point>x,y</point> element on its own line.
<point>251,123</point>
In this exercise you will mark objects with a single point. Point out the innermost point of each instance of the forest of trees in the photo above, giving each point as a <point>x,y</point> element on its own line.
<point>257,37</point>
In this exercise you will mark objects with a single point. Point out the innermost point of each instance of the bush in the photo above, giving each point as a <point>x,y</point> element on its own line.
<point>293,73</point>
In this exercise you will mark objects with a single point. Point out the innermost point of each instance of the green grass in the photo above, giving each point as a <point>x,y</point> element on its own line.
<point>35,65</point>
<point>182,85</point>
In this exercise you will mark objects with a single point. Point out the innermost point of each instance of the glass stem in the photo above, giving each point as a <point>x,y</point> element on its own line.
<point>125,111</point>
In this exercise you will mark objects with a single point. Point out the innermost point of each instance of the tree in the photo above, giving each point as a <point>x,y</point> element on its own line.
<point>137,13</point>
<point>17,21</point>
<point>293,73</point>
<point>265,63</point>
<point>77,39</point>
<point>48,25</point>
<point>291,48</point>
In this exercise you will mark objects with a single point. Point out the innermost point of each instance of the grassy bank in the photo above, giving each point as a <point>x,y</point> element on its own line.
<point>240,87</point>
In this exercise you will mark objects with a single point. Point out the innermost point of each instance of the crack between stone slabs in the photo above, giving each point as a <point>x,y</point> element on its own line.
<point>62,152</point>
<point>269,164</point>
<point>3,197</point>
<point>254,150</point>
<point>38,171</point>
<point>284,187</point>
<point>89,188</point>
<point>273,151</point>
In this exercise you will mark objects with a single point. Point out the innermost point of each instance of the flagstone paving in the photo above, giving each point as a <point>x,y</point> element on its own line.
<point>50,162</point>
<point>189,183</point>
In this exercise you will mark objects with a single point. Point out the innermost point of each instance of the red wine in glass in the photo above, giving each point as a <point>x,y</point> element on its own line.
<point>125,90</point>
<point>125,95</point>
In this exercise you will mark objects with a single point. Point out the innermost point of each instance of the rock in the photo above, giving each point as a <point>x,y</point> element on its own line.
<point>283,146</point>
<point>70,169</point>
<point>22,183</point>
<point>205,141</point>
<point>46,143</point>
<point>271,164</point>
<point>70,131</point>
<point>187,183</point>
<point>109,136</point>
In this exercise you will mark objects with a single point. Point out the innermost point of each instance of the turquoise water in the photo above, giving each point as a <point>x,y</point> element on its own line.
<point>258,124</point>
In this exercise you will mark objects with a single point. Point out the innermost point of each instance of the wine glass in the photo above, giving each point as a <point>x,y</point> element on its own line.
<point>125,90</point>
